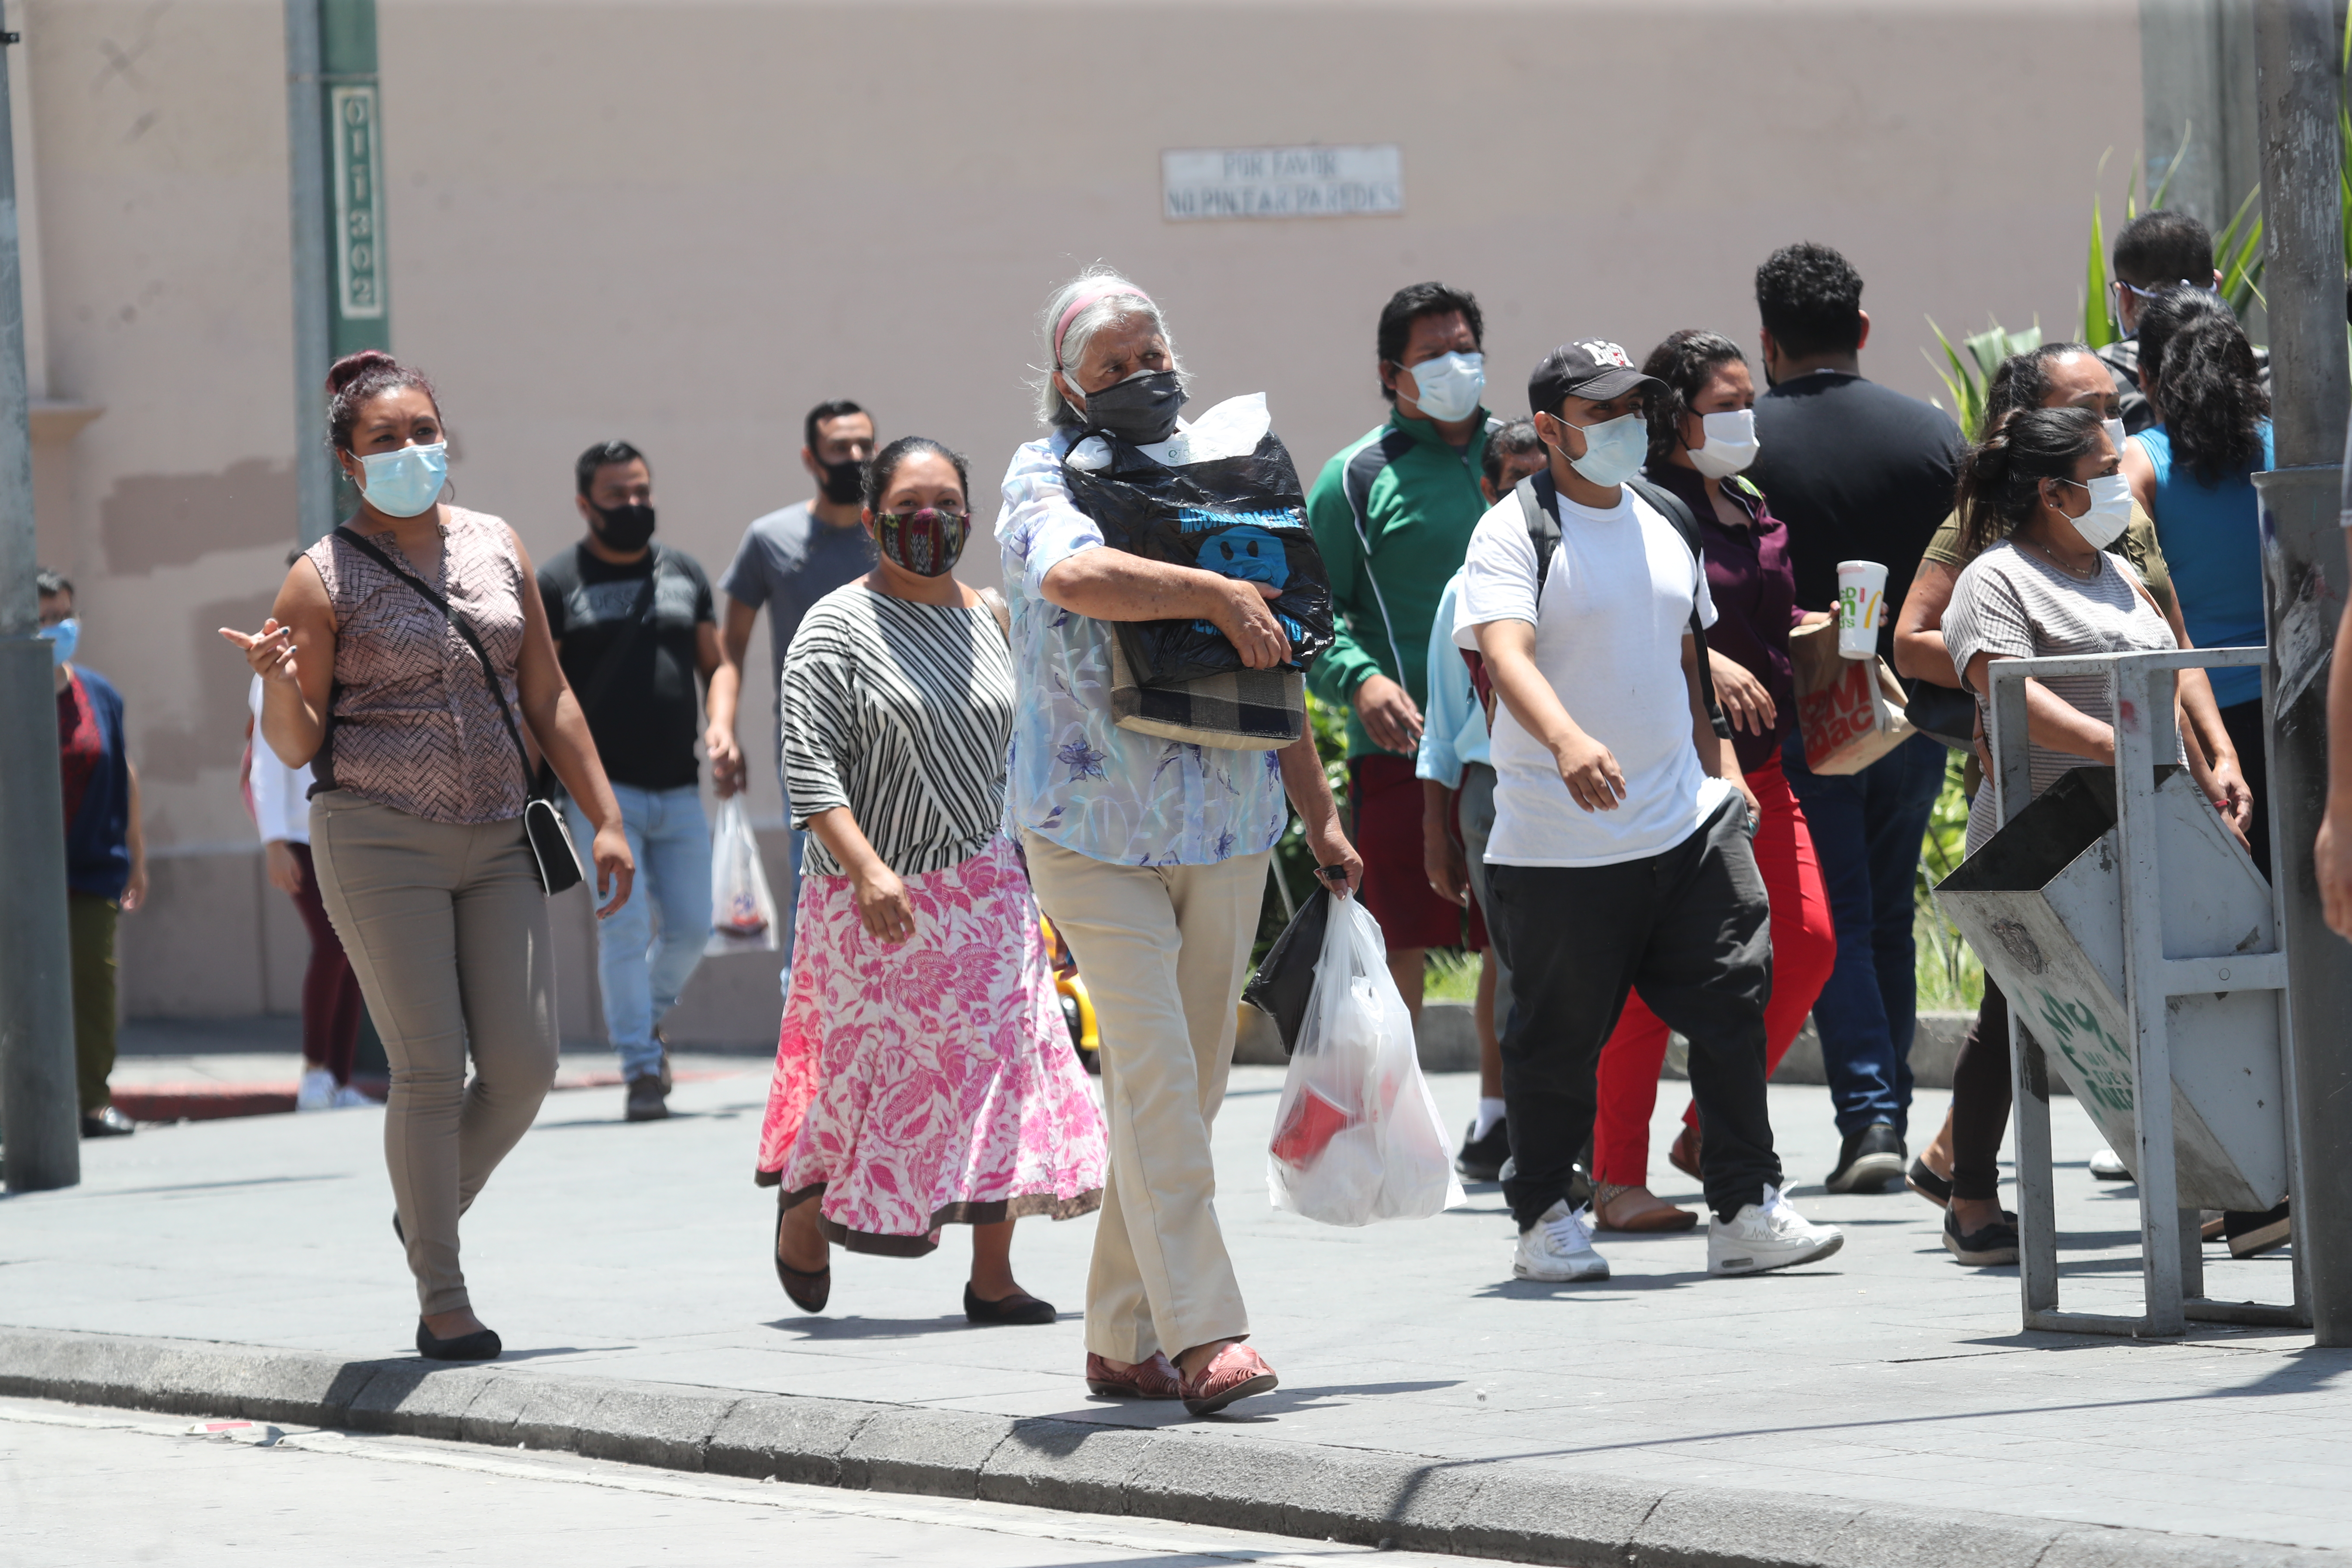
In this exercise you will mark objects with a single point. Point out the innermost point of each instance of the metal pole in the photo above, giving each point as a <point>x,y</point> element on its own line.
<point>40,1125</point>
<point>306,158</point>
<point>2304,591</point>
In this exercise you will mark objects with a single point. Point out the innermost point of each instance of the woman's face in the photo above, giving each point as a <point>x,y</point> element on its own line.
<point>2081,381</point>
<point>1116,350</point>
<point>921,479</point>
<point>1728,390</point>
<point>2073,501</point>
<point>403,417</point>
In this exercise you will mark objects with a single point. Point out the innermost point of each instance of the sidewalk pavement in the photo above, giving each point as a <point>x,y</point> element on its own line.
<point>1882,1408</point>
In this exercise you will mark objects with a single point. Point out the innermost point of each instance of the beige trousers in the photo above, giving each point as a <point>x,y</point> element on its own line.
<point>1164,950</point>
<point>446,929</point>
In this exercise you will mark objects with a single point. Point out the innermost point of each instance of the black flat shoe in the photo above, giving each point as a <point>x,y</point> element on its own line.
<point>808,1292</point>
<point>1928,1185</point>
<point>482,1344</point>
<point>1018,1307</point>
<point>396,1230</point>
<point>1990,1247</point>
<point>107,1122</point>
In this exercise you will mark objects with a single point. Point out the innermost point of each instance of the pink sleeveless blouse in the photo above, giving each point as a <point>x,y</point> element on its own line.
<point>414,725</point>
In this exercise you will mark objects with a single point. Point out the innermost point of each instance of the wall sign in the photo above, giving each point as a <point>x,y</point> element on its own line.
<point>1281,182</point>
<point>359,201</point>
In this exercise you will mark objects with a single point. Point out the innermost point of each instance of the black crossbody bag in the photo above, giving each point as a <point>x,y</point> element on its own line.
<point>542,823</point>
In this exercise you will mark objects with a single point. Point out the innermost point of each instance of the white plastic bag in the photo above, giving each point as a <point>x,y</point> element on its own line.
<point>743,911</point>
<point>1357,1137</point>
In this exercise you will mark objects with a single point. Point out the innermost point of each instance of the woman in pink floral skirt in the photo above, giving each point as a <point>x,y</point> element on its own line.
<point>924,1076</point>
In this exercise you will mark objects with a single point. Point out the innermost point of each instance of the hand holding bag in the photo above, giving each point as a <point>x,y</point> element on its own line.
<point>542,823</point>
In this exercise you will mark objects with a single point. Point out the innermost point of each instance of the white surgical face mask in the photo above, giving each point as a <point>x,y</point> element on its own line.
<point>2116,436</point>
<point>1451,384</point>
<point>1614,449</point>
<point>1730,445</point>
<point>2110,513</point>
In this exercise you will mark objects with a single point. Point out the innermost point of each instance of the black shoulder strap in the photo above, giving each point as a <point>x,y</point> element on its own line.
<point>368,547</point>
<point>1539,501</point>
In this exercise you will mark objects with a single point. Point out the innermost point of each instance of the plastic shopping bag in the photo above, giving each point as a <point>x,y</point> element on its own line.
<point>1357,1137</point>
<point>743,911</point>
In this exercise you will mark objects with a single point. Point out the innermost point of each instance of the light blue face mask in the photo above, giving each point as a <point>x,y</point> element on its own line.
<point>1614,449</point>
<point>406,482</point>
<point>1451,384</point>
<point>62,637</point>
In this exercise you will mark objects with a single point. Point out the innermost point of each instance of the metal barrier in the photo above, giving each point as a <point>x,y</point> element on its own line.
<point>2139,950</point>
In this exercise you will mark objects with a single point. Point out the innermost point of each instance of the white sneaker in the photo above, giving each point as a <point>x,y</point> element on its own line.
<point>1559,1248</point>
<point>347,1096</point>
<point>316,1091</point>
<point>1769,1235</point>
<point>2106,1165</point>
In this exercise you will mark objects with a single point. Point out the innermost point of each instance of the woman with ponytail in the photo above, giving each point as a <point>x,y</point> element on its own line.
<point>2193,473</point>
<point>405,657</point>
<point>2039,500</point>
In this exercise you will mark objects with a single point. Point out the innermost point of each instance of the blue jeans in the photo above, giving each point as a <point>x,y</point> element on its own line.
<point>646,951</point>
<point>1866,831</point>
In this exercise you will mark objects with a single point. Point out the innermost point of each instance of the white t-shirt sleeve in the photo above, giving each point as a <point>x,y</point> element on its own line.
<point>1499,575</point>
<point>1703,599</point>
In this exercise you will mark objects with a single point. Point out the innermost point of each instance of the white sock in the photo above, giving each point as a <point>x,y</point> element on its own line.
<point>1489,1112</point>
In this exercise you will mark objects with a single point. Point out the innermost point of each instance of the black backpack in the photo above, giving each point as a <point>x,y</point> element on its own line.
<point>1539,500</point>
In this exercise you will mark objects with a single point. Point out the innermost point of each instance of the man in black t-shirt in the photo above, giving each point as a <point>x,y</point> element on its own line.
<point>1858,472</point>
<point>634,627</point>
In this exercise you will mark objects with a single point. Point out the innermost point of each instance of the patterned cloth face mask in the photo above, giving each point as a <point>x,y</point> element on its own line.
<point>927,543</point>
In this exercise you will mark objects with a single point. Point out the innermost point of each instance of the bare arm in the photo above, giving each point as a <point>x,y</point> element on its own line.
<point>724,673</point>
<point>294,654</point>
<point>1443,861</point>
<point>1310,795</point>
<point>560,728</point>
<point>883,906</point>
<point>2051,721</point>
<point>134,891</point>
<point>1594,781</point>
<point>1106,585</point>
<point>1919,651</point>
<point>2224,781</point>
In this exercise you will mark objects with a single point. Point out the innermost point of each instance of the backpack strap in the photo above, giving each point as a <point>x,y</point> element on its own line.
<point>1540,503</point>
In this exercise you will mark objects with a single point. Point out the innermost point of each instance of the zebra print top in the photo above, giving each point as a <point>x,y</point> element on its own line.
<point>901,712</point>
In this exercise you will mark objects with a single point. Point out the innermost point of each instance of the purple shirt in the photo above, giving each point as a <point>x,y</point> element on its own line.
<point>1755,590</point>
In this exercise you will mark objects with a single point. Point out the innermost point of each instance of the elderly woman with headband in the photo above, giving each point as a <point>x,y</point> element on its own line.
<point>1149,854</point>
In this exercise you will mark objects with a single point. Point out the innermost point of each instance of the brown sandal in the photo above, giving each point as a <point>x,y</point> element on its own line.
<point>1662,1216</point>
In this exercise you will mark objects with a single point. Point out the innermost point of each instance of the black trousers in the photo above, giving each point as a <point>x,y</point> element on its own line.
<point>2243,720</point>
<point>1981,1096</point>
<point>1692,928</point>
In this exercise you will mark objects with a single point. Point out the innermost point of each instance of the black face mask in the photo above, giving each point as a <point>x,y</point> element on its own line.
<point>624,528</point>
<point>844,481</point>
<point>1140,409</point>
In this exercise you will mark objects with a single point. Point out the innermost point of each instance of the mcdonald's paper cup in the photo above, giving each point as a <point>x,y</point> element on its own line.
<point>1861,608</point>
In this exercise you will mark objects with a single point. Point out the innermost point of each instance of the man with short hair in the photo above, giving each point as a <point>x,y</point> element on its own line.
<point>788,561</point>
<point>634,627</point>
<point>1620,855</point>
<point>2156,251</point>
<point>1392,515</point>
<point>1856,471</point>
<point>106,849</point>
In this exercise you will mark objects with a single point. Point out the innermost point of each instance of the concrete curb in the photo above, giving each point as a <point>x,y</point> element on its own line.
<point>1476,1508</point>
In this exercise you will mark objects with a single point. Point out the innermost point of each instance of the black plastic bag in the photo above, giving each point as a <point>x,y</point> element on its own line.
<point>1240,517</point>
<point>1285,982</point>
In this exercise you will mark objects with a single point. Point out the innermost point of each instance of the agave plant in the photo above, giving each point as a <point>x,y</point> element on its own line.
<point>2237,248</point>
<point>1966,371</point>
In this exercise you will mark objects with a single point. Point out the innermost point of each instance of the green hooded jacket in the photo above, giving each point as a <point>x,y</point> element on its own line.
<point>1392,515</point>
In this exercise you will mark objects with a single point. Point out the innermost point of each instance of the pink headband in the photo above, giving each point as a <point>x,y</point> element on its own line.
<point>1080,303</point>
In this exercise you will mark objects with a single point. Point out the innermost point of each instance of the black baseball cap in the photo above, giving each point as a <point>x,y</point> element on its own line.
<point>1591,368</point>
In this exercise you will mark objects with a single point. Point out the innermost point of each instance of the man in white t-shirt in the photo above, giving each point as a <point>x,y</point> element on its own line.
<point>1620,854</point>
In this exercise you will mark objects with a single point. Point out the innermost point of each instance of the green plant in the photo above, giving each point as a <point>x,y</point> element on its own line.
<point>2237,248</point>
<point>1950,977</point>
<point>1966,378</point>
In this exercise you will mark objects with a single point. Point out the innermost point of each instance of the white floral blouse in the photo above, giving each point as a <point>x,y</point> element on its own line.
<point>1077,779</point>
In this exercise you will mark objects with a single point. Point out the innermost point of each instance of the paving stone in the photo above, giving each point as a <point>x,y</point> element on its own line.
<point>419,1398</point>
<point>647,1423</point>
<point>2082,1547</point>
<point>791,1437</point>
<point>1524,1514</point>
<point>1712,1527</point>
<point>1074,1465</point>
<point>1207,1477</point>
<point>553,1410</point>
<point>93,1369</point>
<point>935,1453</point>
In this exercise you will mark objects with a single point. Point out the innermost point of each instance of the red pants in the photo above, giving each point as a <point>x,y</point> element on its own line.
<point>1804,951</point>
<point>331,992</point>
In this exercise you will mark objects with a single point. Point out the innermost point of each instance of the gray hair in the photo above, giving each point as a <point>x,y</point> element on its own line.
<point>1118,300</point>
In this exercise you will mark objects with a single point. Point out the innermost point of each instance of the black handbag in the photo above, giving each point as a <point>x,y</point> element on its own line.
<point>1943,714</point>
<point>1285,982</point>
<point>542,823</point>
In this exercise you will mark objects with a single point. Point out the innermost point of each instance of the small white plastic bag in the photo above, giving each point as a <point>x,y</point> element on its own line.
<point>1357,1137</point>
<point>743,911</point>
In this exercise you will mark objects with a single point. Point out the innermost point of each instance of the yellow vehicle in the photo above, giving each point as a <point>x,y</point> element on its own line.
<point>1077,1007</point>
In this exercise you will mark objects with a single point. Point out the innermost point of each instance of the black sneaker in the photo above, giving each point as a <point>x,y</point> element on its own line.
<point>648,1098</point>
<point>107,1122</point>
<point>2252,1235</point>
<point>1481,1159</point>
<point>1868,1162</point>
<point>1990,1247</point>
